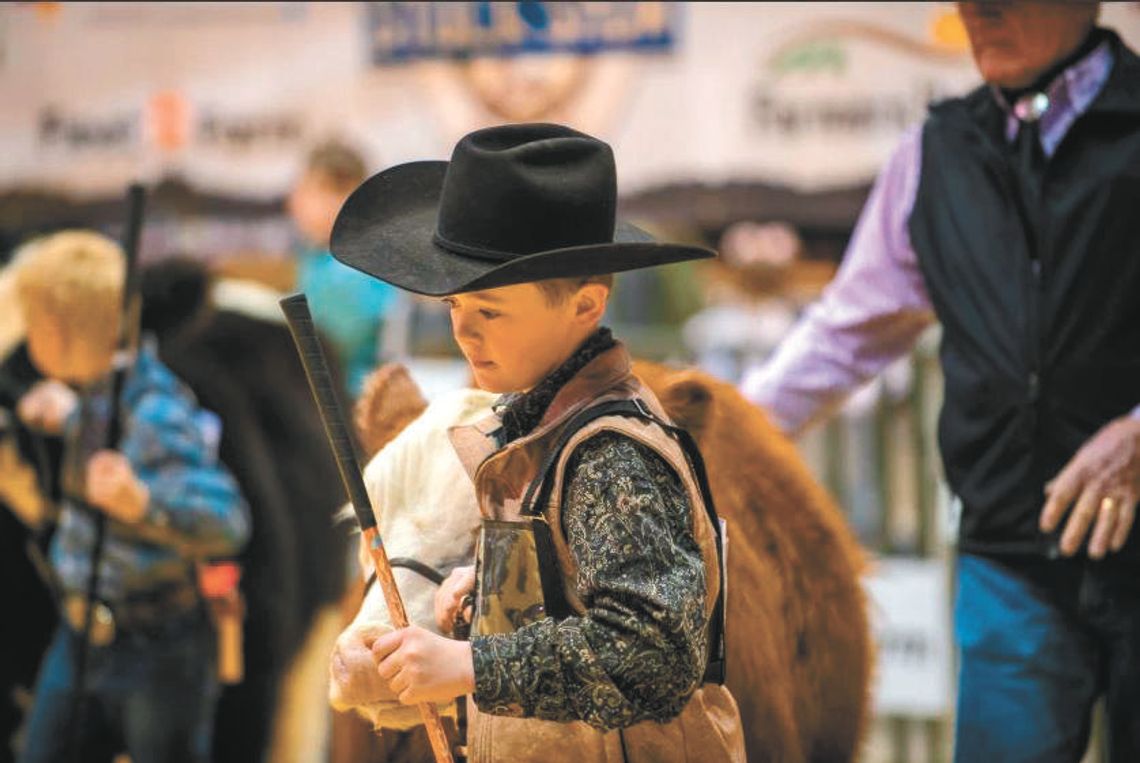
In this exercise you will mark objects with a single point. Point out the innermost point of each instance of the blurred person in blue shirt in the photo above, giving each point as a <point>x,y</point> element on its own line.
<point>168,502</point>
<point>348,306</point>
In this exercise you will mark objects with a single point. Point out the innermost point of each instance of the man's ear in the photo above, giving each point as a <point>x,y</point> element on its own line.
<point>590,302</point>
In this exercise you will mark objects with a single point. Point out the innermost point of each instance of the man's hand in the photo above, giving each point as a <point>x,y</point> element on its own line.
<point>421,666</point>
<point>1104,480</point>
<point>449,597</point>
<point>46,406</point>
<point>113,487</point>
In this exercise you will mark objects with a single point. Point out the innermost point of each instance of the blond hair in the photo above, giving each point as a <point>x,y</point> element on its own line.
<point>73,280</point>
<point>558,290</point>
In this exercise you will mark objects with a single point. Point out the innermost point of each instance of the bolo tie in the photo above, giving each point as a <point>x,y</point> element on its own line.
<point>1029,159</point>
<point>1029,169</point>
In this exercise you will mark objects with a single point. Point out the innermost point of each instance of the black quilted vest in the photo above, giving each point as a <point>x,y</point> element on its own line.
<point>1041,342</point>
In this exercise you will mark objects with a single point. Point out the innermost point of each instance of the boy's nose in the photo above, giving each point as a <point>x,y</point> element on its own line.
<point>463,326</point>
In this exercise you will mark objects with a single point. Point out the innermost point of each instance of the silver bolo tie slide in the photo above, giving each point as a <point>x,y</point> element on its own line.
<point>1030,107</point>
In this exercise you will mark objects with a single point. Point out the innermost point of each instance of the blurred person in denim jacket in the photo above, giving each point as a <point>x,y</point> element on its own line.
<point>168,504</point>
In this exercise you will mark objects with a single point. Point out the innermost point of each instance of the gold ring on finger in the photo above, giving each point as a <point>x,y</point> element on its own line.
<point>1108,503</point>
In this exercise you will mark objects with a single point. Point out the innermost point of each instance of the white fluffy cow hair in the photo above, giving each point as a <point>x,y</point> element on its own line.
<point>425,510</point>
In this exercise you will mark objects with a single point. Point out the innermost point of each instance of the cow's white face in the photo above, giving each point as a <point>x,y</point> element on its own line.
<point>425,507</point>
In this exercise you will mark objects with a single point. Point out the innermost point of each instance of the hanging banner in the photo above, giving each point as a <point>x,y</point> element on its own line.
<point>402,31</point>
<point>228,97</point>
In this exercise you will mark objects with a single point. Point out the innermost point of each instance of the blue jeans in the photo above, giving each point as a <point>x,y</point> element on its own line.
<point>150,695</point>
<point>1040,641</point>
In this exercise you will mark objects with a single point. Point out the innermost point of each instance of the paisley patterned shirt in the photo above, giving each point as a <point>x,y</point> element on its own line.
<point>639,651</point>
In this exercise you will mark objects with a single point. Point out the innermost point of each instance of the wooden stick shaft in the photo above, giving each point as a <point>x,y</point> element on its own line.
<point>300,320</point>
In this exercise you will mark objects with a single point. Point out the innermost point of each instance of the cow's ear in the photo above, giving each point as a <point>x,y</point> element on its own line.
<point>688,400</point>
<point>389,401</point>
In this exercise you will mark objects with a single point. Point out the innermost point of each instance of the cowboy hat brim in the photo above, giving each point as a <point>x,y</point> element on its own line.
<point>386,227</point>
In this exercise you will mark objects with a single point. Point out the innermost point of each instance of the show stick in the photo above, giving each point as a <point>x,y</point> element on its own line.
<point>123,362</point>
<point>296,309</point>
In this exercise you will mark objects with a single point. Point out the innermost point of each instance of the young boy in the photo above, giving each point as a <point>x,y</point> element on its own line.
<point>167,502</point>
<point>593,610</point>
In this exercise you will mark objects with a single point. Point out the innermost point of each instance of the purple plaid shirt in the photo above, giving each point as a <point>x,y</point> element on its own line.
<point>877,306</point>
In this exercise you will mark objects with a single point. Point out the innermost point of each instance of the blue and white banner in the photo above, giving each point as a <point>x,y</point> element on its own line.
<point>403,31</point>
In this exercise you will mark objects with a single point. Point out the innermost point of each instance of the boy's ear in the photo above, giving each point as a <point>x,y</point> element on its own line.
<point>590,302</point>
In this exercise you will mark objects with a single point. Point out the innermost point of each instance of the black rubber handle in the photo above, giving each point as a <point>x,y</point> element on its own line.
<point>131,310</point>
<point>136,203</point>
<point>296,309</point>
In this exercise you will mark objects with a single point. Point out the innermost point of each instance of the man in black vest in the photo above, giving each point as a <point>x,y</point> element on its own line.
<point>1012,217</point>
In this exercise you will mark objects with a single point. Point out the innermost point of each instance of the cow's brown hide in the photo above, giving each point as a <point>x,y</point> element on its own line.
<point>799,646</point>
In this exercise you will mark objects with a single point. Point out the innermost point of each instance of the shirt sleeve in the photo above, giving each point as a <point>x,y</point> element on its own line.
<point>195,503</point>
<point>872,312</point>
<point>639,651</point>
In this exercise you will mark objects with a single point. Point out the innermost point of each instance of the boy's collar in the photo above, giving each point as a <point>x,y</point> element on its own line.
<point>609,370</point>
<point>521,412</point>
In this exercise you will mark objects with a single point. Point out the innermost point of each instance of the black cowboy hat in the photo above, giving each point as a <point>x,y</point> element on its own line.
<point>516,203</point>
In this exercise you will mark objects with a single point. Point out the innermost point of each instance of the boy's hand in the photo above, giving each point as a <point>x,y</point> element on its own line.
<point>113,487</point>
<point>450,595</point>
<point>46,406</point>
<point>421,666</point>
